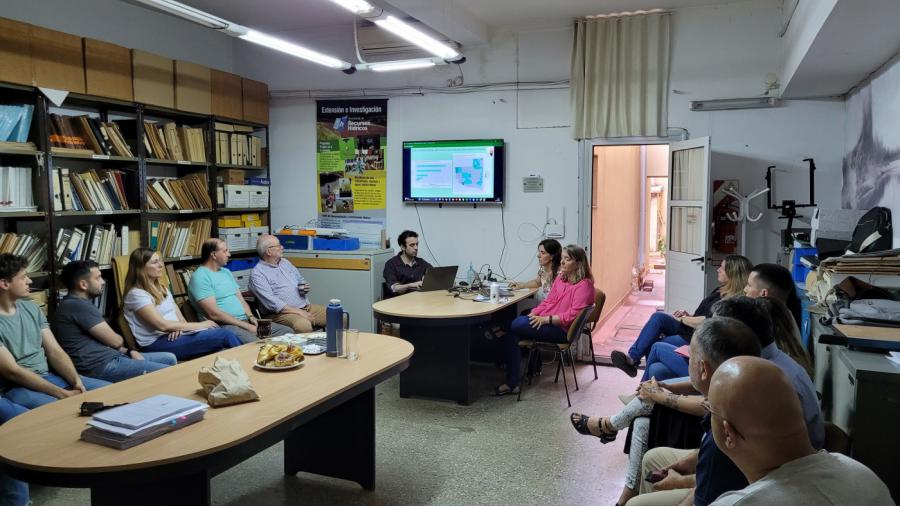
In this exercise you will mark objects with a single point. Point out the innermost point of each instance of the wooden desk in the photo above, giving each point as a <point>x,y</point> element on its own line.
<point>442,328</point>
<point>324,411</point>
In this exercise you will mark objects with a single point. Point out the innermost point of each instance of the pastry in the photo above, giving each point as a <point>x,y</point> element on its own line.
<point>284,359</point>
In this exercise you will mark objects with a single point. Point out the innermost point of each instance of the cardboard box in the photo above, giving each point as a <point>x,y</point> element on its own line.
<point>237,238</point>
<point>233,176</point>
<point>227,97</point>
<point>154,79</point>
<point>193,91</point>
<point>237,196</point>
<point>243,279</point>
<point>15,52</point>
<point>107,70</point>
<point>256,100</point>
<point>259,196</point>
<point>58,60</point>
<point>230,221</point>
<point>256,232</point>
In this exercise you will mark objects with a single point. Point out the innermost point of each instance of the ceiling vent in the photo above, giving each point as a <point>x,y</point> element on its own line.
<point>378,44</point>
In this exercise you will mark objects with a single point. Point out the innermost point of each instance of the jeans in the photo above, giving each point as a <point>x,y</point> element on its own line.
<point>33,399</point>
<point>197,344</point>
<point>660,327</point>
<point>664,363</point>
<point>522,330</point>
<point>12,492</point>
<point>247,337</point>
<point>122,368</point>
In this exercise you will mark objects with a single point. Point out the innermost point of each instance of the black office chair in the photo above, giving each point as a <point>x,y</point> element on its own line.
<point>561,350</point>
<point>591,323</point>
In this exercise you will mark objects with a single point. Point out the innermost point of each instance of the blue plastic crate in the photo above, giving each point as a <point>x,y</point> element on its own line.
<point>798,270</point>
<point>293,242</point>
<point>342,244</point>
<point>242,264</point>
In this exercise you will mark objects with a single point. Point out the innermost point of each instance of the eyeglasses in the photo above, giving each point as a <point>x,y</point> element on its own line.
<point>279,245</point>
<point>705,405</point>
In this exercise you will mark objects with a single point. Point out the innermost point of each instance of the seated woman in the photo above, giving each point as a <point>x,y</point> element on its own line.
<point>549,321</point>
<point>549,255</point>
<point>155,320</point>
<point>676,329</point>
<point>787,335</point>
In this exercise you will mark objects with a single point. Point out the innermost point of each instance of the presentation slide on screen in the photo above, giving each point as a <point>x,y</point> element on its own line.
<point>451,171</point>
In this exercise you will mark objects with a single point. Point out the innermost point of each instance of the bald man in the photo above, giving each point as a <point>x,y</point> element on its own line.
<point>281,290</point>
<point>758,422</point>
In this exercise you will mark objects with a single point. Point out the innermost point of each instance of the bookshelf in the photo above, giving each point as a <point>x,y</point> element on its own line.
<point>190,178</point>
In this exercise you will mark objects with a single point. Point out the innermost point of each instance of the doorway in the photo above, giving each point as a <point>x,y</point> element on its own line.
<point>628,239</point>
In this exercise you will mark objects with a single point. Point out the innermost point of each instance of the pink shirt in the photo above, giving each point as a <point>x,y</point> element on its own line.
<point>566,300</point>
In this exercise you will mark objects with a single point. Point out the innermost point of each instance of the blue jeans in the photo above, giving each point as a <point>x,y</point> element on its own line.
<point>664,363</point>
<point>33,399</point>
<point>660,327</point>
<point>12,492</point>
<point>520,329</point>
<point>122,368</point>
<point>198,344</point>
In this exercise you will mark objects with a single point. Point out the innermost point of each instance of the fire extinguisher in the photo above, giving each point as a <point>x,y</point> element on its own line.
<point>725,234</point>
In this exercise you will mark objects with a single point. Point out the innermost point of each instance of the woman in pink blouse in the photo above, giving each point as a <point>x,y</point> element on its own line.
<point>549,321</point>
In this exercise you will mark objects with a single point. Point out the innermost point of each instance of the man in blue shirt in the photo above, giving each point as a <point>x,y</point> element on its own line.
<point>216,295</point>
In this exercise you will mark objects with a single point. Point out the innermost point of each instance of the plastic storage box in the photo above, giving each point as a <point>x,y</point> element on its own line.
<point>293,242</point>
<point>342,244</point>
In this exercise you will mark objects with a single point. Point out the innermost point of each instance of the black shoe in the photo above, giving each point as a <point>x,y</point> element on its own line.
<point>621,361</point>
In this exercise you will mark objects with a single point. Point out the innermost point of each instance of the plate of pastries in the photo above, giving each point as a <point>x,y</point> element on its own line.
<point>279,356</point>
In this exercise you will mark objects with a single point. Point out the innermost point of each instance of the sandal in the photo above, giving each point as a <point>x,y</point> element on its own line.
<point>498,391</point>
<point>621,361</point>
<point>580,422</point>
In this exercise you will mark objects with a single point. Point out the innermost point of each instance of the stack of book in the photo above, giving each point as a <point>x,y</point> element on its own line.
<point>99,243</point>
<point>187,192</point>
<point>15,189</point>
<point>15,122</point>
<point>170,142</point>
<point>179,280</point>
<point>86,135</point>
<point>100,301</point>
<point>236,145</point>
<point>179,239</point>
<point>91,190</point>
<point>135,423</point>
<point>31,246</point>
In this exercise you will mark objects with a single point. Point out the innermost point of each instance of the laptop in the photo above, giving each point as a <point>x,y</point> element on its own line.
<point>441,278</point>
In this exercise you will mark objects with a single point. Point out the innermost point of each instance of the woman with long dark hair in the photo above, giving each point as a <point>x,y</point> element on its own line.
<point>549,254</point>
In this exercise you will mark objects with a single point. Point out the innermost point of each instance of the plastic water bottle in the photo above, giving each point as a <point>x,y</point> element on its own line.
<point>470,276</point>
<point>334,323</point>
<point>495,293</point>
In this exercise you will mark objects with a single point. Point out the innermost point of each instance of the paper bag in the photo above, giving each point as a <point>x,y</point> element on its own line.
<point>226,383</point>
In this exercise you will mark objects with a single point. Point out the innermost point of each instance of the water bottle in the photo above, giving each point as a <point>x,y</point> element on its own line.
<point>470,276</point>
<point>495,293</point>
<point>334,321</point>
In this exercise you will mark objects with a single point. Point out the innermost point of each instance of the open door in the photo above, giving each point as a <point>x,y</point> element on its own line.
<point>687,255</point>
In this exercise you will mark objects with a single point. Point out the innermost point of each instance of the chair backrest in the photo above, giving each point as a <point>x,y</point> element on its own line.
<point>599,301</point>
<point>578,324</point>
<point>120,271</point>
<point>836,439</point>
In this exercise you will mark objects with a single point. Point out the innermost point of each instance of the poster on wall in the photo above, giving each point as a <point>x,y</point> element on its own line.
<point>351,140</point>
<point>872,162</point>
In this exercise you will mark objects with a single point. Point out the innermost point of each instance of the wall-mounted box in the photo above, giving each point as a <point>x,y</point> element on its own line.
<point>107,70</point>
<point>15,52</point>
<point>256,101</point>
<point>154,79</point>
<point>227,95</point>
<point>192,88</point>
<point>58,60</point>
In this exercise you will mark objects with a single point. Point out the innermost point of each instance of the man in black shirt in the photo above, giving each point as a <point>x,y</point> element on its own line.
<point>405,271</point>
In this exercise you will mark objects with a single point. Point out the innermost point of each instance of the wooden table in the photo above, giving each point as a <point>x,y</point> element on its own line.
<point>324,411</point>
<point>442,328</point>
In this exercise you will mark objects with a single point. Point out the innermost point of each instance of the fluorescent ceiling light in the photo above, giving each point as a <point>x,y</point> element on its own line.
<point>419,63</point>
<point>427,42</point>
<point>355,6</point>
<point>725,104</point>
<point>293,49</point>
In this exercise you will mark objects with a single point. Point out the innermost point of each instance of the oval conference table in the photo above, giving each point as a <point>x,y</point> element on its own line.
<point>324,411</point>
<point>446,331</point>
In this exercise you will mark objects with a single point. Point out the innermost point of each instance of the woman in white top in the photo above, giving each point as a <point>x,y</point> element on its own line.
<point>156,321</point>
<point>549,255</point>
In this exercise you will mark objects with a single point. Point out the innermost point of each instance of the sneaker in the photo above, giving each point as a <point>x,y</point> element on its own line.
<point>621,361</point>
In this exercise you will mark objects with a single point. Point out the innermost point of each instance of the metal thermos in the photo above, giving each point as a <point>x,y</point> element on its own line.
<point>334,322</point>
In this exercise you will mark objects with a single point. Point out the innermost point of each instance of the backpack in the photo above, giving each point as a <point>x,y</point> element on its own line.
<point>873,232</point>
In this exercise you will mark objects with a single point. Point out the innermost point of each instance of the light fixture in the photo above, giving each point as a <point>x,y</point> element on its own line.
<point>355,6</point>
<point>418,63</point>
<point>726,104</point>
<point>421,39</point>
<point>235,30</point>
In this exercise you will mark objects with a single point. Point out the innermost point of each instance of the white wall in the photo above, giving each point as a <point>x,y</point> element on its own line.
<point>127,25</point>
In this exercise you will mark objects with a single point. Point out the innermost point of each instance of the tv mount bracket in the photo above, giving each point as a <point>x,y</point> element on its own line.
<point>788,207</point>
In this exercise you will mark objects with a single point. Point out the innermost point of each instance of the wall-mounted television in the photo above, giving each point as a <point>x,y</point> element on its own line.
<point>465,172</point>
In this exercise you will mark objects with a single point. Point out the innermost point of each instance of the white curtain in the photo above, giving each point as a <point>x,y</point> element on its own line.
<point>620,76</point>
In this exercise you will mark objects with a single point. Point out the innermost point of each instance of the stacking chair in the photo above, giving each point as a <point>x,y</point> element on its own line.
<point>591,323</point>
<point>120,271</point>
<point>561,350</point>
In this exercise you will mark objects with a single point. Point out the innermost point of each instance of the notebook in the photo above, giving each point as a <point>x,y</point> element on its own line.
<point>146,412</point>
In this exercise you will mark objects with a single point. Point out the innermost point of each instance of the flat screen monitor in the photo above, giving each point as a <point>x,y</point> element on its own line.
<point>465,172</point>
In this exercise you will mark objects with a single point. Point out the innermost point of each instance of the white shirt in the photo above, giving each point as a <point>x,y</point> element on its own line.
<point>822,478</point>
<point>139,298</point>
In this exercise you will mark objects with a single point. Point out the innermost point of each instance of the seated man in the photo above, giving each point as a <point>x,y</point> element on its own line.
<point>774,281</point>
<point>758,423</point>
<point>28,350</point>
<point>405,271</point>
<point>93,346</point>
<point>216,295</point>
<point>281,290</point>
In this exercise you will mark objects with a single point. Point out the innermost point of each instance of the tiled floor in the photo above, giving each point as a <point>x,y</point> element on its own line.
<point>619,330</point>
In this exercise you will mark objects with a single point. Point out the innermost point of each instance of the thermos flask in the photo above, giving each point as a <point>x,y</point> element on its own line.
<point>334,322</point>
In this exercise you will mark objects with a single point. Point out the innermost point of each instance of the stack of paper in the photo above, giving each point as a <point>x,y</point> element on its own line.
<point>135,423</point>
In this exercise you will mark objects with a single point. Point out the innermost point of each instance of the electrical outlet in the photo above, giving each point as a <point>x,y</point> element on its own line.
<point>555,231</point>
